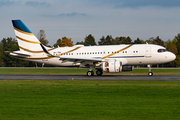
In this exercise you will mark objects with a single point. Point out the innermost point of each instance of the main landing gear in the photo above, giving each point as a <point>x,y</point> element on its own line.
<point>99,72</point>
<point>150,73</point>
<point>90,73</point>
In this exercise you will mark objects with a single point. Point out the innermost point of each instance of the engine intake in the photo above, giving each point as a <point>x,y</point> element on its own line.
<point>112,67</point>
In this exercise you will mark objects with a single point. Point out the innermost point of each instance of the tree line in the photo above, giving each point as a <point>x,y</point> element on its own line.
<point>10,44</point>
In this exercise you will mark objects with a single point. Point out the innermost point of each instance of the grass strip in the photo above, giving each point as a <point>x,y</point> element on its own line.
<point>90,100</point>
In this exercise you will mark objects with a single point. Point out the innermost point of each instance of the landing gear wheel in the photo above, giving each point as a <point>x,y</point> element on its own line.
<point>90,73</point>
<point>150,74</point>
<point>99,72</point>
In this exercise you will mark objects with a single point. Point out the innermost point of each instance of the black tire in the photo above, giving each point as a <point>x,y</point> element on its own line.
<point>99,72</point>
<point>150,73</point>
<point>90,73</point>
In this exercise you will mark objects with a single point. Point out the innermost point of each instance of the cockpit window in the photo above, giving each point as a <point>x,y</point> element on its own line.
<point>162,50</point>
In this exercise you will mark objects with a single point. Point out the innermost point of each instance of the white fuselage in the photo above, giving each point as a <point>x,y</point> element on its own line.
<point>137,54</point>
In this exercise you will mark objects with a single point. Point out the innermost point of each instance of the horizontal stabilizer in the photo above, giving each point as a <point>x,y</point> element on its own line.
<point>18,53</point>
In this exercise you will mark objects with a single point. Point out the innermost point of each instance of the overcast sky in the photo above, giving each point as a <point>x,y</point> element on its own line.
<point>77,18</point>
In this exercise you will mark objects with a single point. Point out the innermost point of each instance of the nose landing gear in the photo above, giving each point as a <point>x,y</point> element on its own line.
<point>150,73</point>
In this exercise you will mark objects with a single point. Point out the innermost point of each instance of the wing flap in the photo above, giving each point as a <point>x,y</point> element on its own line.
<point>80,60</point>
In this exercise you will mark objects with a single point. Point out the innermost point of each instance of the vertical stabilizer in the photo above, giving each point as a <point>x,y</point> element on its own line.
<point>26,39</point>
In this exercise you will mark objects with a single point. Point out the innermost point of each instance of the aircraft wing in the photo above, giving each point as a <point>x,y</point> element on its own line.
<point>80,60</point>
<point>74,59</point>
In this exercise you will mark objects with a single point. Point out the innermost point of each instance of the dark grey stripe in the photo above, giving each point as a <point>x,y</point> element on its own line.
<point>126,57</point>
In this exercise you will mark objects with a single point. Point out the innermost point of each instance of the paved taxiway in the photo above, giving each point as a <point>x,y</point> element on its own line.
<point>83,77</point>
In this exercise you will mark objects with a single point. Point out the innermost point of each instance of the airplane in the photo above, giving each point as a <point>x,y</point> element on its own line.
<point>107,58</point>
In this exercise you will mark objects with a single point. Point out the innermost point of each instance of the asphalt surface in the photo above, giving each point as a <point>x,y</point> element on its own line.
<point>83,77</point>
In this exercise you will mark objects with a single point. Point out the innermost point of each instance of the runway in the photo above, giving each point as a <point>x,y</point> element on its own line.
<point>98,78</point>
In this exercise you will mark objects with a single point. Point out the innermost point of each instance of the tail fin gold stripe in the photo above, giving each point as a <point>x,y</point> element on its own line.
<point>34,51</point>
<point>116,52</point>
<point>23,31</point>
<point>27,40</point>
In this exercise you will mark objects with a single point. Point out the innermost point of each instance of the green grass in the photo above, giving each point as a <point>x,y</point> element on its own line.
<point>75,71</point>
<point>89,100</point>
<point>47,71</point>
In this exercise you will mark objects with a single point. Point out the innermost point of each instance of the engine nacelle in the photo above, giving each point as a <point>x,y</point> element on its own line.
<point>127,68</point>
<point>112,67</point>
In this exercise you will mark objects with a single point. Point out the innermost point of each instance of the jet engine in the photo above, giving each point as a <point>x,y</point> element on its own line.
<point>112,67</point>
<point>127,68</point>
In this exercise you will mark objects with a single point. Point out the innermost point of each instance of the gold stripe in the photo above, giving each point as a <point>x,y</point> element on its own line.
<point>34,51</point>
<point>116,52</point>
<point>30,50</point>
<point>27,40</point>
<point>23,31</point>
<point>51,49</point>
<point>68,51</point>
<point>41,52</point>
<point>48,50</point>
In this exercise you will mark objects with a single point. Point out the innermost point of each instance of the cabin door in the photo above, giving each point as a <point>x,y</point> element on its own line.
<point>148,51</point>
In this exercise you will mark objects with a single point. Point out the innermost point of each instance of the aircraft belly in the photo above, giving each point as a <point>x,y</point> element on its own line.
<point>57,62</point>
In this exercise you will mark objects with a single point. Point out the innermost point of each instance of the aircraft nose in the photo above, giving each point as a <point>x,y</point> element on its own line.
<point>172,57</point>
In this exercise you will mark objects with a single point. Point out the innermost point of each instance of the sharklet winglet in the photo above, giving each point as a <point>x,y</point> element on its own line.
<point>44,49</point>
